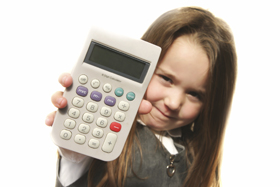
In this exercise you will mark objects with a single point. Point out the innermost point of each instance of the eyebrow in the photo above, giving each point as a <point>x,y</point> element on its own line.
<point>168,73</point>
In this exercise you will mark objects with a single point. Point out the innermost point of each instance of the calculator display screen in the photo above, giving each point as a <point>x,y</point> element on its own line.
<point>116,62</point>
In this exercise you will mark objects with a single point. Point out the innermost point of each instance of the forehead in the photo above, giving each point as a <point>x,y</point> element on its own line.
<point>187,61</point>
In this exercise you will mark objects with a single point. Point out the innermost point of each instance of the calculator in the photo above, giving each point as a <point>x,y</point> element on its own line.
<point>110,79</point>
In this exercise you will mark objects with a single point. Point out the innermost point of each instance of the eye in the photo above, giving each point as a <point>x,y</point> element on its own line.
<point>166,78</point>
<point>195,94</point>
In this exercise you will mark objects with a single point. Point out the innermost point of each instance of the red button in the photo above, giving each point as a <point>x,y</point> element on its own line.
<point>115,126</point>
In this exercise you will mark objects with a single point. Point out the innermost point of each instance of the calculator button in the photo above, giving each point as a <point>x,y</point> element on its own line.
<point>82,91</point>
<point>98,133</point>
<point>96,96</point>
<point>95,83</point>
<point>93,143</point>
<point>115,126</point>
<point>88,118</point>
<point>124,106</point>
<point>92,107</point>
<point>80,139</point>
<point>130,96</point>
<point>107,87</point>
<point>119,116</point>
<point>83,79</point>
<point>101,122</point>
<point>110,101</point>
<point>78,102</point>
<point>119,92</point>
<point>69,123</point>
<point>106,111</point>
<point>74,113</point>
<point>65,134</point>
<point>83,128</point>
<point>109,142</point>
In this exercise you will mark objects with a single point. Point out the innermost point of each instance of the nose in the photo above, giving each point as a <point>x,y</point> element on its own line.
<point>174,100</point>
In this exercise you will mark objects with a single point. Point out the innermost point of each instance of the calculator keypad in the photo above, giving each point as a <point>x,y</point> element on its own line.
<point>94,122</point>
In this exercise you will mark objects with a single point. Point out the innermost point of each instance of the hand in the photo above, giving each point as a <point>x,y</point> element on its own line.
<point>59,101</point>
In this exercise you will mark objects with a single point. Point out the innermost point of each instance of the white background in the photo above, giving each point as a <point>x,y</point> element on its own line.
<point>41,39</point>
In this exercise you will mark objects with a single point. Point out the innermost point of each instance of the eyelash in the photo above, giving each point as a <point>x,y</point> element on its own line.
<point>166,79</point>
<point>195,94</point>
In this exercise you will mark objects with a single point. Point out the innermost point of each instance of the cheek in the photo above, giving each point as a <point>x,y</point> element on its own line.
<point>153,92</point>
<point>191,111</point>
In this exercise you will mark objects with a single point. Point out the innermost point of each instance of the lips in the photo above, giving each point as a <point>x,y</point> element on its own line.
<point>163,114</point>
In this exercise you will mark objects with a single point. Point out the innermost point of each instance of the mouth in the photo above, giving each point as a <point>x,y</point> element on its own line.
<point>165,115</point>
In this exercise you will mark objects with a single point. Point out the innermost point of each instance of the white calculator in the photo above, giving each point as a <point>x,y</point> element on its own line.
<point>109,82</point>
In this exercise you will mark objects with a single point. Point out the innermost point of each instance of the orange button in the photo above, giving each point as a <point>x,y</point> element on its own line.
<point>115,126</point>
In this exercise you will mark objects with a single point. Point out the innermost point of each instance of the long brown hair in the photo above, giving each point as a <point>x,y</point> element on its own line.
<point>205,139</point>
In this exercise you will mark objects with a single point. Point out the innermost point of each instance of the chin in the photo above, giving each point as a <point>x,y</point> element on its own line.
<point>155,127</point>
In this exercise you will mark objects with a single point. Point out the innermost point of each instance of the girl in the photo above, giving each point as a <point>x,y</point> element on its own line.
<point>178,136</point>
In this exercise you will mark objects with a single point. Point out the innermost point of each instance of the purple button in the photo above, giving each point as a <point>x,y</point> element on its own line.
<point>111,101</point>
<point>82,91</point>
<point>96,96</point>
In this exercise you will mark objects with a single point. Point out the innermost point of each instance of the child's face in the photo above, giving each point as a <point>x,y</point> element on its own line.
<point>177,86</point>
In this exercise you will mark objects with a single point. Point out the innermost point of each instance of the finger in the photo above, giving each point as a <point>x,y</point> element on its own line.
<point>58,100</point>
<point>65,79</point>
<point>50,118</point>
<point>145,107</point>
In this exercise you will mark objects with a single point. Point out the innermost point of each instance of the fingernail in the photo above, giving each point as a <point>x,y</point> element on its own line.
<point>59,101</point>
<point>64,79</point>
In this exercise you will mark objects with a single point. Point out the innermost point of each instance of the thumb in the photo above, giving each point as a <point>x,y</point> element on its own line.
<point>145,107</point>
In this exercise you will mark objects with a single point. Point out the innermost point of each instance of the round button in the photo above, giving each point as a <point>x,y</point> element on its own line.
<point>130,96</point>
<point>119,92</point>
<point>107,87</point>
<point>83,79</point>
<point>95,83</point>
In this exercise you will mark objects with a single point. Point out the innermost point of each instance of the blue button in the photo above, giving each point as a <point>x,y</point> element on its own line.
<point>130,96</point>
<point>119,92</point>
